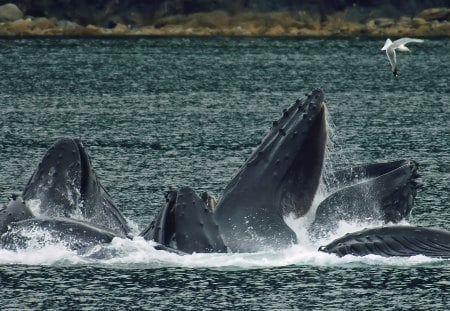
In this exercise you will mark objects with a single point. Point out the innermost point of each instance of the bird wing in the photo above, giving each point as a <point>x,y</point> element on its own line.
<point>390,52</point>
<point>386,44</point>
<point>403,41</point>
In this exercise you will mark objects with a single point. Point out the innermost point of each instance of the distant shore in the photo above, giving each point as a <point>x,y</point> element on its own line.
<point>429,22</point>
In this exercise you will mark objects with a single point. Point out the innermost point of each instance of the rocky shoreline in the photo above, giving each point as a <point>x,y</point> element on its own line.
<point>428,22</point>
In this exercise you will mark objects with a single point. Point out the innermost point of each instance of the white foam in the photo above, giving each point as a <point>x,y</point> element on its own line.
<point>125,252</point>
<point>47,255</point>
<point>34,206</point>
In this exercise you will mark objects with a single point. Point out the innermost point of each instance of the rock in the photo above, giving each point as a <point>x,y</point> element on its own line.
<point>135,20</point>
<point>439,14</point>
<point>120,29</point>
<point>18,27</point>
<point>9,13</point>
<point>404,21</point>
<point>419,21</point>
<point>442,28</point>
<point>68,25</point>
<point>213,20</point>
<point>380,23</point>
<point>42,23</point>
<point>275,31</point>
<point>91,30</point>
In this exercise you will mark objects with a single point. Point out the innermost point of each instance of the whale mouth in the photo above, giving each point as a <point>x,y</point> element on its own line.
<point>85,170</point>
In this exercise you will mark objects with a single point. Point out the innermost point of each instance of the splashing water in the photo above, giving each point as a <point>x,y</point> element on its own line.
<point>139,252</point>
<point>333,156</point>
<point>332,151</point>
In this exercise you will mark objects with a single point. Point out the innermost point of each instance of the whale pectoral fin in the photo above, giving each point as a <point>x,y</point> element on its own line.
<point>403,241</point>
<point>196,230</point>
<point>65,182</point>
<point>383,192</point>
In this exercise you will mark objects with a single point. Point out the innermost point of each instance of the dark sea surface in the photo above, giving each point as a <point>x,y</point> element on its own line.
<point>156,114</point>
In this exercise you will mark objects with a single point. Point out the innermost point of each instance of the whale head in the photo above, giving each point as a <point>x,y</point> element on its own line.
<point>66,185</point>
<point>280,177</point>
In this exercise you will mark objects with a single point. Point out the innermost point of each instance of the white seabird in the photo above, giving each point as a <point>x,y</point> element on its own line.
<point>399,44</point>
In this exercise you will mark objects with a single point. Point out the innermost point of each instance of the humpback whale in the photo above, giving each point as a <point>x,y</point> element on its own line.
<point>66,185</point>
<point>281,177</point>
<point>73,205</point>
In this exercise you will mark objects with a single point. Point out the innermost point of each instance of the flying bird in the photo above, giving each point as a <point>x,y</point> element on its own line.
<point>399,44</point>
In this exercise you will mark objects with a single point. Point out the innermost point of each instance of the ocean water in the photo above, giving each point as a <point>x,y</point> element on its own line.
<point>156,114</point>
